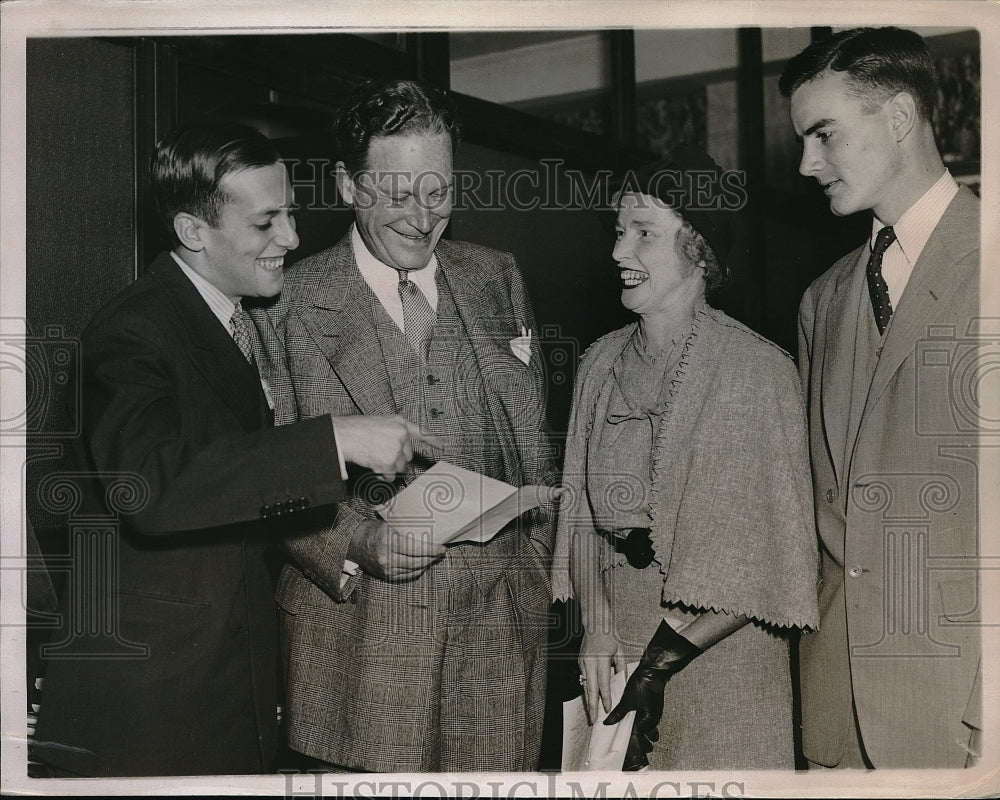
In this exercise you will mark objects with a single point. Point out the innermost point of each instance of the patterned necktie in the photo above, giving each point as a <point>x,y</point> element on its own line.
<point>418,316</point>
<point>877,288</point>
<point>240,323</point>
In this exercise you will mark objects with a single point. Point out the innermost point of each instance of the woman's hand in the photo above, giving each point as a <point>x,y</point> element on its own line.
<point>598,652</point>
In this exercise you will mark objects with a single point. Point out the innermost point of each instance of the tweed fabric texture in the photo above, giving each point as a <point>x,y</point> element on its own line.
<point>443,392</point>
<point>418,316</point>
<point>731,521</point>
<point>731,512</point>
<point>445,672</point>
<point>242,332</point>
<point>730,708</point>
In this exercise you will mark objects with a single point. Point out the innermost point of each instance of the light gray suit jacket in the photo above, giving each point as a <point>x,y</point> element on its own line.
<point>896,509</point>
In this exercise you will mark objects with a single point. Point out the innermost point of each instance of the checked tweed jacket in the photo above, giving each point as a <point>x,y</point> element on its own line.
<point>445,672</point>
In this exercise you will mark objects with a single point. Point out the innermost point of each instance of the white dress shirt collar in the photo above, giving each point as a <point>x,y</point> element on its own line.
<point>221,305</point>
<point>913,230</point>
<point>384,280</point>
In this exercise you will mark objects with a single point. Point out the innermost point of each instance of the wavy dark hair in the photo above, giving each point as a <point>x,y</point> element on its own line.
<point>878,62</point>
<point>390,108</point>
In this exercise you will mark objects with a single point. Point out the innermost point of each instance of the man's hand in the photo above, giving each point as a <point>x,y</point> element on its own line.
<point>382,444</point>
<point>391,554</point>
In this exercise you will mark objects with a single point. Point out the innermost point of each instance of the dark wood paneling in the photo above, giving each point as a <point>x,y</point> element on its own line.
<point>80,233</point>
<point>623,87</point>
<point>750,124</point>
<point>155,114</point>
<point>431,54</point>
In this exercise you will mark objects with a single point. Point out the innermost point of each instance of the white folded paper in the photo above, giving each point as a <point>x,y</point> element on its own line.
<point>589,747</point>
<point>450,504</point>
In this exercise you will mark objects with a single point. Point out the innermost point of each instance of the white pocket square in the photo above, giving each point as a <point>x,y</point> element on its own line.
<point>521,346</point>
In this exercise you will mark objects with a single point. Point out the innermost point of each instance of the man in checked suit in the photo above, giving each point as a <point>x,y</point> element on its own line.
<point>423,659</point>
<point>172,407</point>
<point>892,677</point>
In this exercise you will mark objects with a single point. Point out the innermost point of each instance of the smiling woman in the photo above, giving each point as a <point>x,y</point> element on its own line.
<point>665,411</point>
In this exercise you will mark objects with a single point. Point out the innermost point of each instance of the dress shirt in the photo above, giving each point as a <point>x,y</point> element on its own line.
<point>384,280</point>
<point>913,230</point>
<point>221,305</point>
<point>223,309</point>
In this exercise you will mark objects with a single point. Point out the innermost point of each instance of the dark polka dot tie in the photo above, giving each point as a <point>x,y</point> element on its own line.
<point>877,288</point>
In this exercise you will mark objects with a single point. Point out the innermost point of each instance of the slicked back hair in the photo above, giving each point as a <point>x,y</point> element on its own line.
<point>878,63</point>
<point>191,161</point>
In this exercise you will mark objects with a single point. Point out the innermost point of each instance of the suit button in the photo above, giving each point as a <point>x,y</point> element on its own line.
<point>855,571</point>
<point>830,495</point>
<point>265,512</point>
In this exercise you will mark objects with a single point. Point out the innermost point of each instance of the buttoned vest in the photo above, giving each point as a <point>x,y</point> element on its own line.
<point>446,395</point>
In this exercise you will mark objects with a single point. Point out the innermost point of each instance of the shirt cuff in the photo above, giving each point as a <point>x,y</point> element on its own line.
<point>340,454</point>
<point>349,571</point>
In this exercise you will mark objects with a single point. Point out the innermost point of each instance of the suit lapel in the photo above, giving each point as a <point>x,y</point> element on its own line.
<point>838,361</point>
<point>212,349</point>
<point>341,322</point>
<point>478,308</point>
<point>489,327</point>
<point>931,285</point>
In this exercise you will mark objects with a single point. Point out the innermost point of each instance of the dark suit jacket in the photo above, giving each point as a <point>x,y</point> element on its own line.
<point>186,681</point>
<point>897,515</point>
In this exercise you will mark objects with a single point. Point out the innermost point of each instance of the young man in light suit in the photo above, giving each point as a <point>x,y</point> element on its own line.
<point>174,407</point>
<point>892,677</point>
<point>424,659</point>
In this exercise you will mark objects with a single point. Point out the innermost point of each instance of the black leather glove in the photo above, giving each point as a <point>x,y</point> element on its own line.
<point>666,654</point>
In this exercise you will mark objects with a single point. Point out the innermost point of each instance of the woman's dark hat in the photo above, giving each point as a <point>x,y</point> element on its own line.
<point>692,184</point>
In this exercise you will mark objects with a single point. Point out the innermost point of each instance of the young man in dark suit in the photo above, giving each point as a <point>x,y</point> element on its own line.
<point>892,678</point>
<point>172,400</point>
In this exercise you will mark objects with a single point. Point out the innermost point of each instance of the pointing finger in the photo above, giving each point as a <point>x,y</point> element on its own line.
<point>418,435</point>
